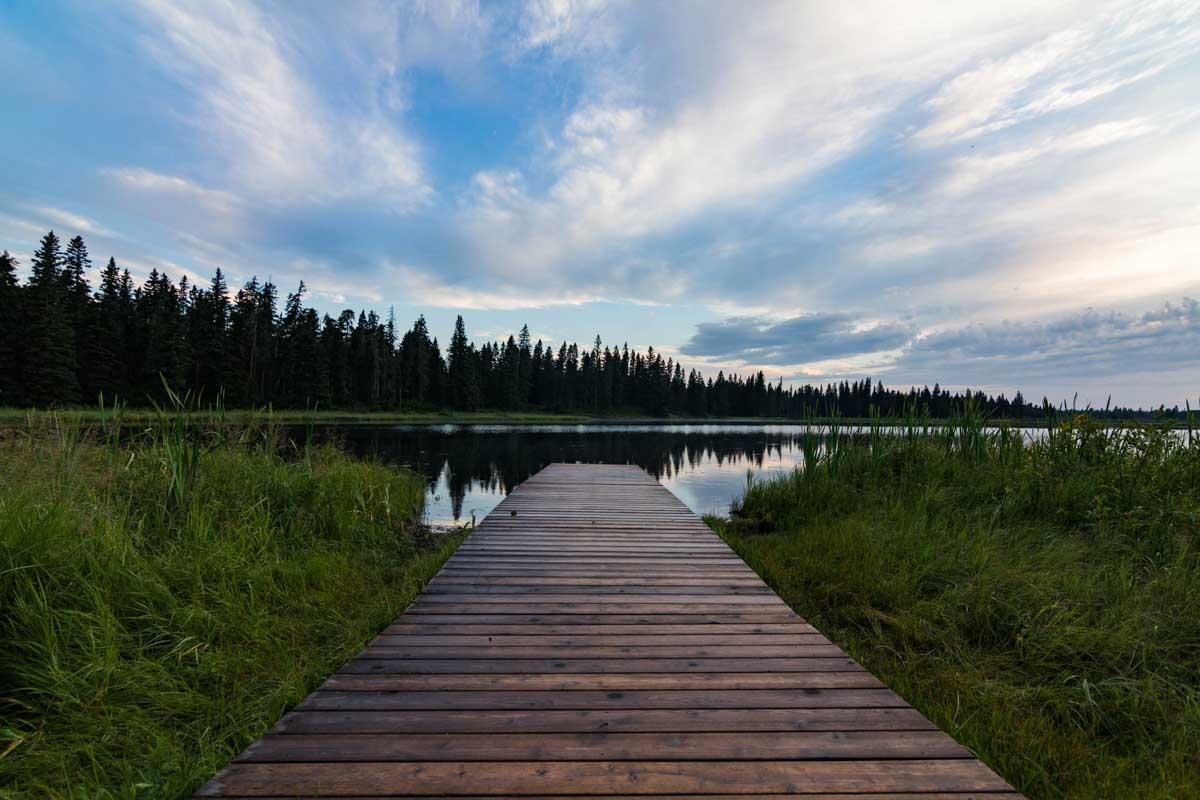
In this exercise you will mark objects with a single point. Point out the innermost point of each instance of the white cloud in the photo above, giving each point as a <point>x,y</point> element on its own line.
<point>75,223</point>
<point>896,248</point>
<point>282,141</point>
<point>666,131</point>
<point>565,26</point>
<point>1063,70</point>
<point>420,287</point>
<point>1087,343</point>
<point>217,202</point>
<point>971,172</point>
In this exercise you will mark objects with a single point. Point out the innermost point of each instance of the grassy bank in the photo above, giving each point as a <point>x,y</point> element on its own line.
<point>1038,602</point>
<point>165,599</point>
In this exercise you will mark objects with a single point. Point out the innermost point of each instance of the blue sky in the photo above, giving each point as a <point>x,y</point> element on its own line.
<point>1001,197</point>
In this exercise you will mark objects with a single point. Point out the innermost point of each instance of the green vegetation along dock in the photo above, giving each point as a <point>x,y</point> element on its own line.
<point>593,637</point>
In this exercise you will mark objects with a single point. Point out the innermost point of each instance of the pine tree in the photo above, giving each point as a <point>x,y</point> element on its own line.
<point>525,368</point>
<point>214,359</point>
<point>50,377</point>
<point>462,383</point>
<point>12,340</point>
<point>103,371</point>
<point>160,337</point>
<point>417,364</point>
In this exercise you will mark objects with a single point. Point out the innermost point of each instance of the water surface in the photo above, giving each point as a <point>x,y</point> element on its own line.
<point>470,468</point>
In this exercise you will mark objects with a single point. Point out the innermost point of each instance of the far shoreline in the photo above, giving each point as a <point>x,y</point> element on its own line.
<point>10,416</point>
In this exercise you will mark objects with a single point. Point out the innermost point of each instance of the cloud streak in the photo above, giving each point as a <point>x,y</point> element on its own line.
<point>1089,344</point>
<point>798,340</point>
<point>282,140</point>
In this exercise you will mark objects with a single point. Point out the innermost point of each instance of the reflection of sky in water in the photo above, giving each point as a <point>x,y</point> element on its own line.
<point>470,468</point>
<point>707,487</point>
<point>478,500</point>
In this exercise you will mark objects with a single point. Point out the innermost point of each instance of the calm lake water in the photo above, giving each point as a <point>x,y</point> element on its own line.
<point>470,468</point>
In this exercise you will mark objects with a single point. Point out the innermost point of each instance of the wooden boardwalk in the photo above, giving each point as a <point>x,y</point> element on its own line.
<point>593,637</point>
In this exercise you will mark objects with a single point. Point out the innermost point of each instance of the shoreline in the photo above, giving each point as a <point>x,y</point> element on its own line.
<point>11,416</point>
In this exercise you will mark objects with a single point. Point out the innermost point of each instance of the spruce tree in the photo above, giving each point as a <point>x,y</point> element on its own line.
<point>79,309</point>
<point>417,364</point>
<point>12,339</point>
<point>50,377</point>
<point>102,370</point>
<point>214,360</point>
<point>463,385</point>
<point>525,367</point>
<point>161,336</point>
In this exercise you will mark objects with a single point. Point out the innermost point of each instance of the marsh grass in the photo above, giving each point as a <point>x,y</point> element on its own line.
<point>1038,600</point>
<point>167,595</point>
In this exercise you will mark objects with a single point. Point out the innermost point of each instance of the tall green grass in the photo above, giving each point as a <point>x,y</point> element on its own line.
<point>165,597</point>
<point>1039,600</point>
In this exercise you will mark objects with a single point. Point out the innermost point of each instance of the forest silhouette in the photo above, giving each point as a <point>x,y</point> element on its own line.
<point>63,343</point>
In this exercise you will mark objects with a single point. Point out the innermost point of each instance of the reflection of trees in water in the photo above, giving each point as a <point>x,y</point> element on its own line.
<point>498,461</point>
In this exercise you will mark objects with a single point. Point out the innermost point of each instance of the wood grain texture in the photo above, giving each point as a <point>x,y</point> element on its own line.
<point>593,638</point>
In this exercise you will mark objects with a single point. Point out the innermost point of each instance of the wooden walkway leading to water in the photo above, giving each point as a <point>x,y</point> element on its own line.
<point>593,637</point>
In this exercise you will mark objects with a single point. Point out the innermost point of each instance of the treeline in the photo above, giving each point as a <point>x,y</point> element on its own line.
<point>63,343</point>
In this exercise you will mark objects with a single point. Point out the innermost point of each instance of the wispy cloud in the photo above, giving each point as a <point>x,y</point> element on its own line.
<point>797,340</point>
<point>971,172</point>
<point>173,187</point>
<point>1062,71</point>
<point>282,138</point>
<point>1084,346</point>
<point>72,222</point>
<point>1089,344</point>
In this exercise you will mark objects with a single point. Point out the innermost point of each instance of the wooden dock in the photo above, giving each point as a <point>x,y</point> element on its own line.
<point>593,638</point>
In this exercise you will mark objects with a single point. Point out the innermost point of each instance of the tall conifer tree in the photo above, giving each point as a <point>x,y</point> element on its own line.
<point>463,386</point>
<point>103,372</point>
<point>50,360</point>
<point>12,338</point>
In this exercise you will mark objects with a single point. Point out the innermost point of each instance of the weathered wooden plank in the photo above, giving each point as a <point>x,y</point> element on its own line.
<point>639,640</point>
<point>806,745</point>
<point>586,700</point>
<point>407,628</point>
<point>587,587</point>
<point>625,651</point>
<point>728,680</point>
<point>434,778</point>
<point>604,720</point>
<point>757,720</point>
<point>594,606</point>
<point>442,617</point>
<point>367,666</point>
<point>806,796</point>
<point>490,581</point>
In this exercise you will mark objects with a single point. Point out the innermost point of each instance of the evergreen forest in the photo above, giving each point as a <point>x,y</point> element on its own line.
<point>64,342</point>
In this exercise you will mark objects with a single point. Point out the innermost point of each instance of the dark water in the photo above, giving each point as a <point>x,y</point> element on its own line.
<point>470,468</point>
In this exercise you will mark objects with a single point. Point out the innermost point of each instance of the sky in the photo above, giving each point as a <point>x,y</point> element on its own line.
<point>997,195</point>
